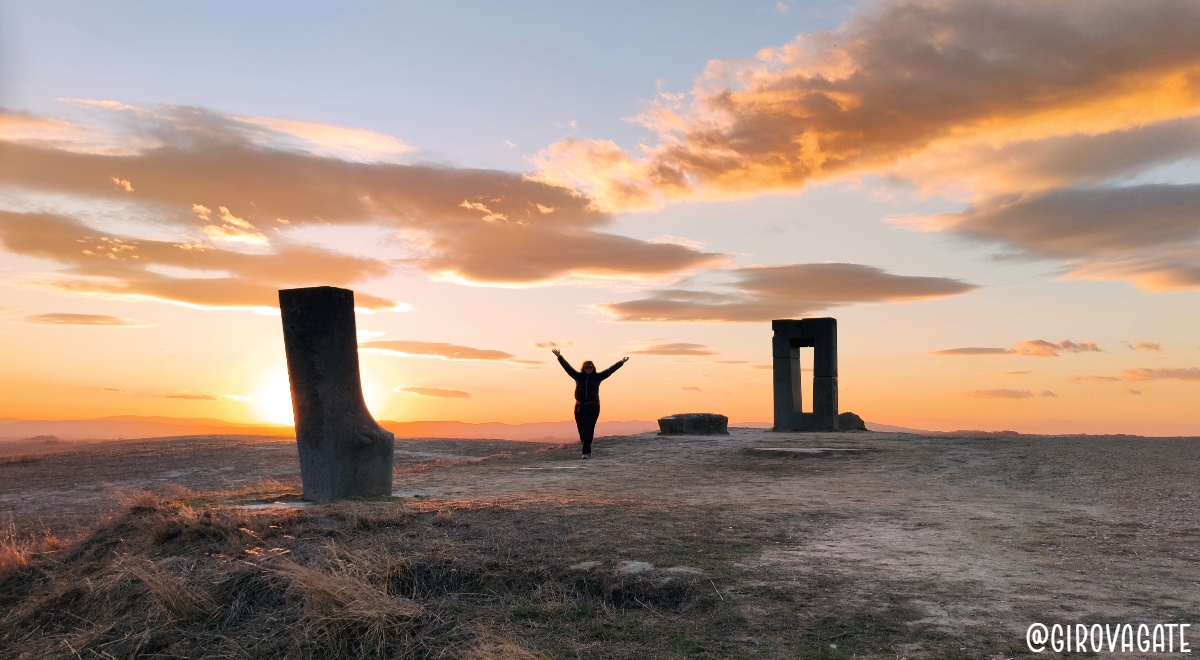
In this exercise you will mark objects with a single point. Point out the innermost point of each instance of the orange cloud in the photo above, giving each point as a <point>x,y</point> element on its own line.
<point>1093,379</point>
<point>329,140</point>
<point>762,293</point>
<point>900,79</point>
<point>232,229</point>
<point>1146,346</point>
<point>79,319</point>
<point>103,263</point>
<point>678,348</point>
<point>1148,234</point>
<point>958,98</point>
<point>1008,394</point>
<point>206,397</point>
<point>25,127</point>
<point>995,168</point>
<point>466,224</point>
<point>1191,373</point>
<point>1030,347</point>
<point>429,349</point>
<point>974,350</point>
<point>1043,348</point>
<point>434,392</point>
<point>108,104</point>
<point>552,344</point>
<point>1083,222</point>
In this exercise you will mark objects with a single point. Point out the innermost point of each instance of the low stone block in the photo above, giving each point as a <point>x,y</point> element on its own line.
<point>694,424</point>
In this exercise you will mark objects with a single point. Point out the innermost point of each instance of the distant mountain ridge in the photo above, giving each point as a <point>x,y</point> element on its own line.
<point>132,427</point>
<point>129,427</point>
<point>551,431</point>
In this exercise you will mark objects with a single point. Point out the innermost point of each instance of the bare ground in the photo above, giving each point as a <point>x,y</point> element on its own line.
<point>682,546</point>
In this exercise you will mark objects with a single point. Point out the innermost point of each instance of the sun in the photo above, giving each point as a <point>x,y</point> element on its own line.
<point>273,398</point>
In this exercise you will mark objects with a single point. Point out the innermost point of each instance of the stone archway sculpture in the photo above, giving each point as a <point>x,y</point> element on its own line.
<point>790,335</point>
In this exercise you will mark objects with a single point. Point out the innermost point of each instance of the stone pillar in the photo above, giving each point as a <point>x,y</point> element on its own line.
<point>789,394</point>
<point>790,335</point>
<point>823,334</point>
<point>343,451</point>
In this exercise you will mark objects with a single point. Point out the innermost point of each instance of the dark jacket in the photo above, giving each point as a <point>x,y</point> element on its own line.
<point>587,386</point>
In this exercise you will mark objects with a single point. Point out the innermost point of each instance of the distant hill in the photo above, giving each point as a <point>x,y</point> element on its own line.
<point>888,428</point>
<point>562,431</point>
<point>131,427</point>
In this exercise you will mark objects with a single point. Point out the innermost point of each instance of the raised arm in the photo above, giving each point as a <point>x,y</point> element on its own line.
<point>565,365</point>
<point>609,371</point>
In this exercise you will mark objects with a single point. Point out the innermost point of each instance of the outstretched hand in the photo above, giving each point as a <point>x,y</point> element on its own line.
<point>556,351</point>
<point>624,359</point>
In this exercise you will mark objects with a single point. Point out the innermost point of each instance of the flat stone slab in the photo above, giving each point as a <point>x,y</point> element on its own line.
<point>693,424</point>
<point>809,451</point>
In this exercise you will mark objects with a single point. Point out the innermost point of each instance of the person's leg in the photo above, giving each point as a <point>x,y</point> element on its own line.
<point>581,425</point>
<point>587,429</point>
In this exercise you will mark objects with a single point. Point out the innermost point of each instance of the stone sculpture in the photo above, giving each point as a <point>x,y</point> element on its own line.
<point>790,336</point>
<point>694,424</point>
<point>343,451</point>
<point>848,421</point>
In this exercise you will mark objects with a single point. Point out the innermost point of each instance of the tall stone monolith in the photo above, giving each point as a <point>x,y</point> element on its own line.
<point>343,451</point>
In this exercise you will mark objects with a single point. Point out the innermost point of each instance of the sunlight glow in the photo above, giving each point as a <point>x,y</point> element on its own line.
<point>273,398</point>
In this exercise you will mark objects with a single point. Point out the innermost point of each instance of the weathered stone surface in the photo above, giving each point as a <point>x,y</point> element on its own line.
<point>694,424</point>
<point>848,421</point>
<point>343,451</point>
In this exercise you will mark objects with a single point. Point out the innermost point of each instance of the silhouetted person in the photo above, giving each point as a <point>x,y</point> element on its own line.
<point>587,397</point>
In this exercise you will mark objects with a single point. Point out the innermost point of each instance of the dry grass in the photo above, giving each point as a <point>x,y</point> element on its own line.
<point>176,597</point>
<point>492,647</point>
<point>172,577</point>
<point>17,550</point>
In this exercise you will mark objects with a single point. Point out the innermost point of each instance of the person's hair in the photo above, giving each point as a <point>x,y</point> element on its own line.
<point>586,364</point>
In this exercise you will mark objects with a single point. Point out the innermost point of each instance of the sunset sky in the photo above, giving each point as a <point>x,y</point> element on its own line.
<point>998,200</point>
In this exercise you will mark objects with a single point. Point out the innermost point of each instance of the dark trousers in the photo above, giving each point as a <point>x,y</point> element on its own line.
<point>586,414</point>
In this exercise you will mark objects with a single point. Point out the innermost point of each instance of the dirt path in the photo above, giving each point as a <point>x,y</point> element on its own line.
<point>981,536</point>
<point>65,487</point>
